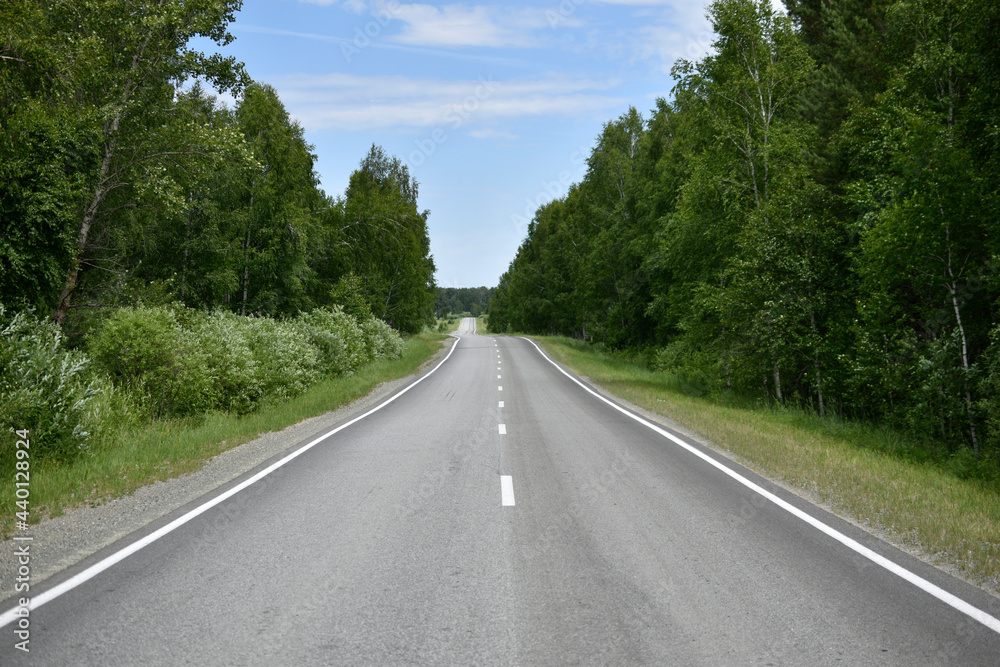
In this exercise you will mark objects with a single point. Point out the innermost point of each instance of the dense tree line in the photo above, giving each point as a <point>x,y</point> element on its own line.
<point>121,182</point>
<point>458,300</point>
<point>812,216</point>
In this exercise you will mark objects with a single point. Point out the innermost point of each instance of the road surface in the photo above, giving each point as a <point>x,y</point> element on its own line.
<point>496,513</point>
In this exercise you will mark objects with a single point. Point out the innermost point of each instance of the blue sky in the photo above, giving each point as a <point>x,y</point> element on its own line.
<point>494,107</point>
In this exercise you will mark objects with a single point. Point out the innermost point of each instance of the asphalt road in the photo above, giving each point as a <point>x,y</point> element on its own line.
<point>497,513</point>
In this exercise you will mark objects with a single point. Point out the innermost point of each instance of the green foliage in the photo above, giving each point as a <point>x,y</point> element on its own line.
<point>44,388</point>
<point>348,293</point>
<point>338,338</point>
<point>183,361</point>
<point>237,385</point>
<point>147,350</point>
<point>127,194</point>
<point>391,246</point>
<point>286,362</point>
<point>458,300</point>
<point>381,340</point>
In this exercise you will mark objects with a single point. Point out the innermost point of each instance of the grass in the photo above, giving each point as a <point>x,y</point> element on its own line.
<point>859,470</point>
<point>168,448</point>
<point>448,324</point>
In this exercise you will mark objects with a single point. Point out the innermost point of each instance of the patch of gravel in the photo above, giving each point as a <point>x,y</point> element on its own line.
<point>63,541</point>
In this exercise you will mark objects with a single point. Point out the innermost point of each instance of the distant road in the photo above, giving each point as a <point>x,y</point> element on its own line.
<point>497,513</point>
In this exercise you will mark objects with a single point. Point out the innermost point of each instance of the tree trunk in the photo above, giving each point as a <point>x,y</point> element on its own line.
<point>725,360</point>
<point>952,288</point>
<point>777,384</point>
<point>819,379</point>
<point>89,215</point>
<point>187,245</point>
<point>246,249</point>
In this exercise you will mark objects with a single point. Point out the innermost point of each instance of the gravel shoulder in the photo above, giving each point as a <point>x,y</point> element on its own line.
<point>63,541</point>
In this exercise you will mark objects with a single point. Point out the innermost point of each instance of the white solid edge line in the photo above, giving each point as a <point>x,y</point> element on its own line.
<point>102,565</point>
<point>944,596</point>
<point>506,491</point>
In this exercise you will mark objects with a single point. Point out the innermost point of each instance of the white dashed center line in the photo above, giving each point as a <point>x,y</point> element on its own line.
<point>506,490</point>
<point>503,429</point>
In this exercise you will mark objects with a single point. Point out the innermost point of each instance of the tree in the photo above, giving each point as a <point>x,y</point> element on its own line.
<point>123,58</point>
<point>387,241</point>
<point>47,150</point>
<point>274,205</point>
<point>613,284</point>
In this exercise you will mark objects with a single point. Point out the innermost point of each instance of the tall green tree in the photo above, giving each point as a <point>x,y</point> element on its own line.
<point>387,243</point>
<point>275,206</point>
<point>613,284</point>
<point>925,253</point>
<point>47,151</point>
<point>120,64</point>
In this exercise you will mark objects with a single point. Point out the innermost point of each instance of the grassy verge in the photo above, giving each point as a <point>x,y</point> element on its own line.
<point>859,470</point>
<point>168,448</point>
<point>448,324</point>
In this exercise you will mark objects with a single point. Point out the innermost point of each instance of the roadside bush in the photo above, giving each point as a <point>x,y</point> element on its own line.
<point>381,340</point>
<point>695,372</point>
<point>286,363</point>
<point>989,390</point>
<point>339,341</point>
<point>235,373</point>
<point>43,388</point>
<point>145,349</point>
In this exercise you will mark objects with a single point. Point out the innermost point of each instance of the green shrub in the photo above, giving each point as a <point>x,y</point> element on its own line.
<point>43,388</point>
<point>338,340</point>
<point>146,350</point>
<point>381,340</point>
<point>695,372</point>
<point>286,363</point>
<point>236,375</point>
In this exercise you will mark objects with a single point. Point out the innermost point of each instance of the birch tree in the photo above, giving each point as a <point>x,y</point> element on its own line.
<point>127,56</point>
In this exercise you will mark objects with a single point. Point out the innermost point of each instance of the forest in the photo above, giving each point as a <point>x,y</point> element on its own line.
<point>143,221</point>
<point>458,300</point>
<point>810,218</point>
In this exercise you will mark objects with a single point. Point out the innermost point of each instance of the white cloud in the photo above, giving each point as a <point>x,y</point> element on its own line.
<point>673,29</point>
<point>352,47</point>
<point>460,25</point>
<point>349,102</point>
